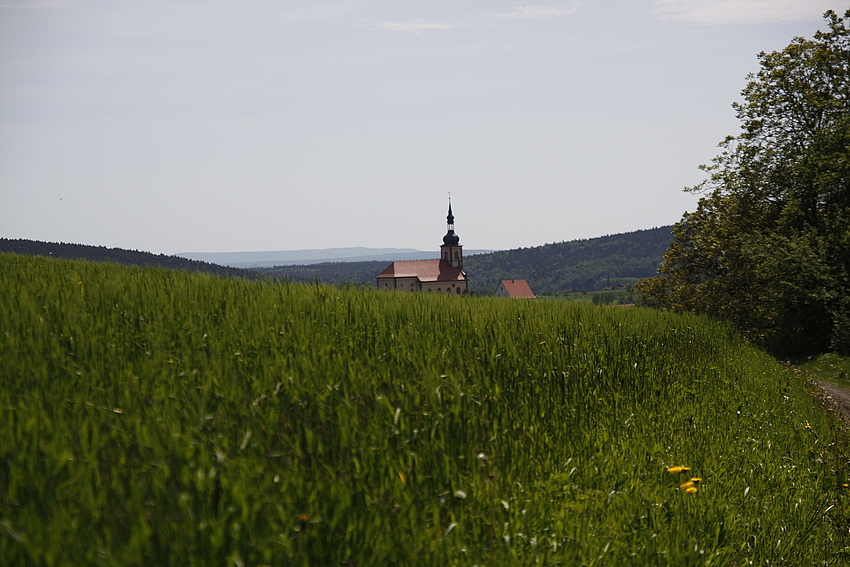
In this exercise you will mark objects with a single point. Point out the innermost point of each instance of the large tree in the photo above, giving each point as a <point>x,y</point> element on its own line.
<point>768,247</point>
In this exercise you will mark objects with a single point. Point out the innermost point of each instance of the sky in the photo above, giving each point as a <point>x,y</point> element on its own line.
<point>222,125</point>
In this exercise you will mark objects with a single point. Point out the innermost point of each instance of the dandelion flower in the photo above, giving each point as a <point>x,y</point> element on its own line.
<point>678,469</point>
<point>691,490</point>
<point>686,485</point>
<point>695,479</point>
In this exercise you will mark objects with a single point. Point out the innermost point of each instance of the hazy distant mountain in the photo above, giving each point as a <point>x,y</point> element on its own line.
<point>311,256</point>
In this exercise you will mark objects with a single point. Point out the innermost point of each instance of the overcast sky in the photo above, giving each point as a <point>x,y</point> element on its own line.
<point>224,125</point>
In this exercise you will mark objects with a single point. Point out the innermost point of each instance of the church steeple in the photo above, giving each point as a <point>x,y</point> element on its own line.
<point>451,239</point>
<point>445,275</point>
<point>451,250</point>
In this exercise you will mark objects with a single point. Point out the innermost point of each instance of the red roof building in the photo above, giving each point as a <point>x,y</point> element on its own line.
<point>445,275</point>
<point>516,289</point>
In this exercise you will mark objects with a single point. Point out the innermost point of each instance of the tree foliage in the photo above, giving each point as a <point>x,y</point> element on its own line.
<point>768,246</point>
<point>591,264</point>
<point>330,272</point>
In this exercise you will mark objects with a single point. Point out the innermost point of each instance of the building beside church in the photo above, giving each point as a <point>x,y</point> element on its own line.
<point>516,289</point>
<point>445,275</point>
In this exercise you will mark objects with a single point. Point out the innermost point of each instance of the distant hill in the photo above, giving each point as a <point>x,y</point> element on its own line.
<point>118,255</point>
<point>331,272</point>
<point>591,264</point>
<point>269,259</point>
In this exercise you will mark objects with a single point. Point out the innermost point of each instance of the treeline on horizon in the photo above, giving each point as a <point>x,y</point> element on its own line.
<point>579,265</point>
<point>118,255</point>
<point>591,264</point>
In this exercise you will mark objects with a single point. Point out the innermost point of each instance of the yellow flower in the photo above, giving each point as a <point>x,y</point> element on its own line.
<point>696,479</point>
<point>678,469</point>
<point>686,485</point>
<point>691,490</point>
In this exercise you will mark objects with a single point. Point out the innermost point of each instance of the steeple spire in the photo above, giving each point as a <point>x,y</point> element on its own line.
<point>451,250</point>
<point>450,239</point>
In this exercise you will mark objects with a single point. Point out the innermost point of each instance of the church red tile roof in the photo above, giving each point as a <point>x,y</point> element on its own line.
<point>424,270</point>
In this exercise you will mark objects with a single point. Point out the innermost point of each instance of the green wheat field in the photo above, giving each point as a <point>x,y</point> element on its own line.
<point>154,417</point>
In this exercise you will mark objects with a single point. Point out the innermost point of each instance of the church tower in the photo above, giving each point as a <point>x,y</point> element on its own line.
<point>445,275</point>
<point>451,250</point>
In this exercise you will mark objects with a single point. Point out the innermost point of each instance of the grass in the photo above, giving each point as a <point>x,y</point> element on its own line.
<point>160,417</point>
<point>828,368</point>
<point>604,297</point>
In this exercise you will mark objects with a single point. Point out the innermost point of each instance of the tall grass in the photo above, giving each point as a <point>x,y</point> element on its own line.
<point>156,417</point>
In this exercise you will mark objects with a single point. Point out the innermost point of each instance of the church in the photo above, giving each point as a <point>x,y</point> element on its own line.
<point>445,275</point>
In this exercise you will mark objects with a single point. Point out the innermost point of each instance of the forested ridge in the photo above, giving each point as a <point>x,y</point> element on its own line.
<point>330,272</point>
<point>589,264</point>
<point>118,255</point>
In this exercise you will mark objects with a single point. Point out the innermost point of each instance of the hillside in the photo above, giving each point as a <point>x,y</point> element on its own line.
<point>161,417</point>
<point>591,264</point>
<point>331,272</point>
<point>117,255</point>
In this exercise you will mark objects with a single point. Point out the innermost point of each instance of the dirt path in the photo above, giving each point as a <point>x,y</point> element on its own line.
<point>837,397</point>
